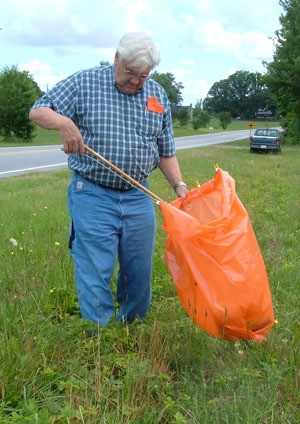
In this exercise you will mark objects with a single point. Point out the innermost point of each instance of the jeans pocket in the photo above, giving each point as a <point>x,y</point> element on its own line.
<point>80,184</point>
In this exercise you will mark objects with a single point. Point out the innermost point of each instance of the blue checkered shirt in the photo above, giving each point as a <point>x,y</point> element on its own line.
<point>116,125</point>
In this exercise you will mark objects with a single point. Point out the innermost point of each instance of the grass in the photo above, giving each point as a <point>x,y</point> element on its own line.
<point>165,370</point>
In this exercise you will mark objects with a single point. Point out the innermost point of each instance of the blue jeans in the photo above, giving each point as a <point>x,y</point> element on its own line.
<point>108,225</point>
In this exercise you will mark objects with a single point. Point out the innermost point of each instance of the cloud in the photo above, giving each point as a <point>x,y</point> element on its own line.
<point>133,11</point>
<point>257,45</point>
<point>200,41</point>
<point>60,23</point>
<point>194,87</point>
<point>43,73</point>
<point>35,66</point>
<point>213,35</point>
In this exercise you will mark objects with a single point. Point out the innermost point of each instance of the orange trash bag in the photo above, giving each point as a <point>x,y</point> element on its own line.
<point>215,262</point>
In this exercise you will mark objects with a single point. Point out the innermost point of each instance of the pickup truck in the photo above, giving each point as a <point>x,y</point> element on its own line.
<point>267,140</point>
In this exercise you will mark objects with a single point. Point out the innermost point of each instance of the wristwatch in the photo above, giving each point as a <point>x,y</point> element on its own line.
<point>179,184</point>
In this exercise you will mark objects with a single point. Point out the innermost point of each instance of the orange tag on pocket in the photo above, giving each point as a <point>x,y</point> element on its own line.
<point>154,106</point>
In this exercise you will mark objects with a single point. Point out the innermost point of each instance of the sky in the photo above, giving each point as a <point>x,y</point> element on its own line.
<point>201,41</point>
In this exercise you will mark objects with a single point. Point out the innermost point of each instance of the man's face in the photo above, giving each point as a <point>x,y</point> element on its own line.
<point>129,79</point>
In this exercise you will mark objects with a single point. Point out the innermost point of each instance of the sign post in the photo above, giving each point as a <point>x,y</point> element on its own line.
<point>251,126</point>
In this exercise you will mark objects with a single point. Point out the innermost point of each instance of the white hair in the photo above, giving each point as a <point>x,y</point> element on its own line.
<point>139,49</point>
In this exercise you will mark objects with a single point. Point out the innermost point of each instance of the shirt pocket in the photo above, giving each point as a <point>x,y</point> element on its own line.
<point>151,124</point>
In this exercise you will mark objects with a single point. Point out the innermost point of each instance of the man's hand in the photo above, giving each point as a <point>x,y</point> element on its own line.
<point>181,192</point>
<point>71,137</point>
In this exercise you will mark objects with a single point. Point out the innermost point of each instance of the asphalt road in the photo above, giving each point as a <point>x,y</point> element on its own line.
<point>15,161</point>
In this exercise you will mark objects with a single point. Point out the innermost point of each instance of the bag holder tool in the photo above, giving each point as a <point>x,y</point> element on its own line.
<point>124,175</point>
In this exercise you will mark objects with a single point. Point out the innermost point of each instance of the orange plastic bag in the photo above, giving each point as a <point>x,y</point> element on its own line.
<point>215,262</point>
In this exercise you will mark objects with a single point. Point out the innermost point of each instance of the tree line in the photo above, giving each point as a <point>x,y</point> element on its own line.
<point>240,95</point>
<point>283,73</point>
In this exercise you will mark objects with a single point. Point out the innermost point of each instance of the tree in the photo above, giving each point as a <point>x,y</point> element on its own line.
<point>172,88</point>
<point>218,97</point>
<point>183,116</point>
<point>241,94</point>
<point>283,74</point>
<point>18,91</point>
<point>201,119</point>
<point>225,119</point>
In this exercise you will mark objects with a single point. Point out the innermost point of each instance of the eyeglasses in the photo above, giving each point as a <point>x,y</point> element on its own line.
<point>132,75</point>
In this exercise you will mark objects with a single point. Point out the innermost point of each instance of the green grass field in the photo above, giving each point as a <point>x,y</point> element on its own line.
<point>165,370</point>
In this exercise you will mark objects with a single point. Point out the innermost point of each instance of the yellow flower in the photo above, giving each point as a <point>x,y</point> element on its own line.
<point>275,322</point>
<point>57,243</point>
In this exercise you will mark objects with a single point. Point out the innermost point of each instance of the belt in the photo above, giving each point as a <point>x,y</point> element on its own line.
<point>130,187</point>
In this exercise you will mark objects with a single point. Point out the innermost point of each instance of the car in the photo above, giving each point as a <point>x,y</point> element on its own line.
<point>266,140</point>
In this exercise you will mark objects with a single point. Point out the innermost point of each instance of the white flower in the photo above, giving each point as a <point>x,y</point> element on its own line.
<point>13,242</point>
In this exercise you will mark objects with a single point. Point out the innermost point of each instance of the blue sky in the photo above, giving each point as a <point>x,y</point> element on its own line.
<point>201,41</point>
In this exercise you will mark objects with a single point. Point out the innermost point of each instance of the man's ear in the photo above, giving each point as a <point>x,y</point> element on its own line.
<point>116,58</point>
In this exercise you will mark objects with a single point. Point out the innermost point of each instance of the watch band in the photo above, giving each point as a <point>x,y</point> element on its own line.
<point>179,184</point>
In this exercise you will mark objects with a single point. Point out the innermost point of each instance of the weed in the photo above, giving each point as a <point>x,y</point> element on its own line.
<point>163,370</point>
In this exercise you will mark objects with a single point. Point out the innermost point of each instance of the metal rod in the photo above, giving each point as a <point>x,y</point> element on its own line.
<point>123,174</point>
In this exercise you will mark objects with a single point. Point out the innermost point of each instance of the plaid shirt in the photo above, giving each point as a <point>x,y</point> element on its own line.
<point>118,126</point>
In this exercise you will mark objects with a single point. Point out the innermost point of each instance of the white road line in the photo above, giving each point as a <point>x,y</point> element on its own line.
<point>33,169</point>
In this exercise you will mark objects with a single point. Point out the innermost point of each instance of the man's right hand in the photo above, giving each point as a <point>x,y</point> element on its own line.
<point>71,136</point>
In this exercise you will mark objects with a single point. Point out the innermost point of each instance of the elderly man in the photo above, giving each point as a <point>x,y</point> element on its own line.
<point>124,115</point>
